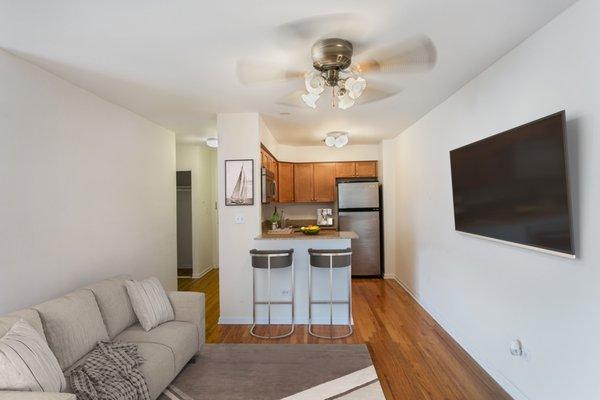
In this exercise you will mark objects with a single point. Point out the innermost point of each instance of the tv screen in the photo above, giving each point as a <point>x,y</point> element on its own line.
<point>513,186</point>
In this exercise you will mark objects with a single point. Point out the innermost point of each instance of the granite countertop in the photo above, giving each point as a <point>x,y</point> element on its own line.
<point>325,234</point>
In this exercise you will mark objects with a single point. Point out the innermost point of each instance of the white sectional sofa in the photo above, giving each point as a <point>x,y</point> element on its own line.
<point>74,323</point>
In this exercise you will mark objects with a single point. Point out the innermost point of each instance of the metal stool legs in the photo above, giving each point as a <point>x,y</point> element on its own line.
<point>331,301</point>
<point>269,302</point>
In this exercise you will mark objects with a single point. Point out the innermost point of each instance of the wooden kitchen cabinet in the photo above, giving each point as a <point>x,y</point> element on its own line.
<point>366,168</point>
<point>345,169</point>
<point>303,183</point>
<point>286,182</point>
<point>264,160</point>
<point>324,182</point>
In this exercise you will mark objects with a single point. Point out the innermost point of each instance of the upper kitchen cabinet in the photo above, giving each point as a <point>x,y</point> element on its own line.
<point>286,182</point>
<point>362,169</point>
<point>303,183</point>
<point>324,181</point>
<point>366,168</point>
<point>264,159</point>
<point>345,169</point>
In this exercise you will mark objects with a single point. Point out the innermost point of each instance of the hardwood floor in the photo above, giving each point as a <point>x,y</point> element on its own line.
<point>414,357</point>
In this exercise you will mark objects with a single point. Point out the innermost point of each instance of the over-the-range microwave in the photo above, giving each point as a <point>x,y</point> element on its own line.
<point>268,185</point>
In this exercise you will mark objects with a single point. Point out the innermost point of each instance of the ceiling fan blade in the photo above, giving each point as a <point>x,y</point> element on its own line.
<point>294,99</point>
<point>308,30</point>
<point>373,93</point>
<point>249,72</point>
<point>413,55</point>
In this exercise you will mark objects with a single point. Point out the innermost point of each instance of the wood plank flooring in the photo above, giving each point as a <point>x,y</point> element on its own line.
<point>414,357</point>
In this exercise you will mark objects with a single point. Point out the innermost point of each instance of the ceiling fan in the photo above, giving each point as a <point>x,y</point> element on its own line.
<point>333,64</point>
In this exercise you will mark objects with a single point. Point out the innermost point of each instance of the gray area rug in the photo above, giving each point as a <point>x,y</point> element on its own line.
<point>278,371</point>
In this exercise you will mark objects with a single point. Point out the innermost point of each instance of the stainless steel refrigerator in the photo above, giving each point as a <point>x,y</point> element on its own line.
<point>359,210</point>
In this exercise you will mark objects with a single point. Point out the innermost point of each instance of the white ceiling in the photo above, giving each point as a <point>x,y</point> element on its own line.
<point>174,62</point>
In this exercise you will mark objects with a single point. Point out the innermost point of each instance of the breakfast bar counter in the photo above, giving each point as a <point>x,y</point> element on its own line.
<point>280,279</point>
<point>326,234</point>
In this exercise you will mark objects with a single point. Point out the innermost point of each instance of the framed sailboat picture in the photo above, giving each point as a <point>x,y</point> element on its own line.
<point>239,182</point>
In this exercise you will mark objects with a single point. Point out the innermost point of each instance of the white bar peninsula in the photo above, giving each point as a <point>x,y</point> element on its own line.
<point>280,278</point>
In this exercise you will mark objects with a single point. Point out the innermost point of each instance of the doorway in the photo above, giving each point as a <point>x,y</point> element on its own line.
<point>184,224</point>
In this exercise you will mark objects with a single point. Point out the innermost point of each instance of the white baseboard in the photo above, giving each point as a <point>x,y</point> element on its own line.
<point>201,274</point>
<point>198,275</point>
<point>504,382</point>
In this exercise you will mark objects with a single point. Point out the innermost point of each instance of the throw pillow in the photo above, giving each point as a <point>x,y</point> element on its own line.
<point>27,363</point>
<point>150,302</point>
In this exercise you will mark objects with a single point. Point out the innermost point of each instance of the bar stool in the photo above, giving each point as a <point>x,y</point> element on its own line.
<point>271,259</point>
<point>330,258</point>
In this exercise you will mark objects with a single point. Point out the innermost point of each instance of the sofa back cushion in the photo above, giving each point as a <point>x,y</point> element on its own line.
<point>115,306</point>
<point>73,325</point>
<point>29,314</point>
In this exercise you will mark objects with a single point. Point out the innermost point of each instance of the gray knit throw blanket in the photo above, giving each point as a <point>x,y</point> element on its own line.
<point>110,373</point>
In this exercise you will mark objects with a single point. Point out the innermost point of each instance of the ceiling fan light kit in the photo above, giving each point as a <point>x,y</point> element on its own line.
<point>334,67</point>
<point>332,59</point>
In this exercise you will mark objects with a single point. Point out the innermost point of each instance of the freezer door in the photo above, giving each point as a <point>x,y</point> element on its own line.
<point>358,195</point>
<point>366,249</point>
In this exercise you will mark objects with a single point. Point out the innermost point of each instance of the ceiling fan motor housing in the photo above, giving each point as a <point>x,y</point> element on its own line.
<point>332,54</point>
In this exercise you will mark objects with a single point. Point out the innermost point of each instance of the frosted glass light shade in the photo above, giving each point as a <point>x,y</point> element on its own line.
<point>355,87</point>
<point>314,83</point>
<point>212,142</point>
<point>330,141</point>
<point>341,141</point>
<point>310,99</point>
<point>345,101</point>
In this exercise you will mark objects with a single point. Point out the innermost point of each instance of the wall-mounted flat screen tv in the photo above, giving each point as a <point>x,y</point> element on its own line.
<point>513,186</point>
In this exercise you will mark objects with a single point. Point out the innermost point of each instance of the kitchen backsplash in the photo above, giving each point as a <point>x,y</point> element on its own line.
<point>295,211</point>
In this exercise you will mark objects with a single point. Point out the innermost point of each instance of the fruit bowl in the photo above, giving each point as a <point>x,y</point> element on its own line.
<point>310,230</point>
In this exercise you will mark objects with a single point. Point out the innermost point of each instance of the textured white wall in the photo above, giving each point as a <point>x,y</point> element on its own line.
<point>486,294</point>
<point>87,189</point>
<point>239,138</point>
<point>201,160</point>
<point>356,152</point>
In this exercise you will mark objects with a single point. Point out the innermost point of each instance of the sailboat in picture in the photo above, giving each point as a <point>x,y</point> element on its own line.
<point>239,194</point>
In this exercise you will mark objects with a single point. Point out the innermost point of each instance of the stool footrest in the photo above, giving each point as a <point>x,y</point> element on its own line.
<point>288,333</point>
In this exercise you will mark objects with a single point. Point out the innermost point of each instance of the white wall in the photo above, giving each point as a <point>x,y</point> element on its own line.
<point>201,161</point>
<point>486,294</point>
<point>387,176</point>
<point>239,138</point>
<point>87,189</point>
<point>351,152</point>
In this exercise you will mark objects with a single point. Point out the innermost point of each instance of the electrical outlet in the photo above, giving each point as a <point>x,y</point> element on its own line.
<point>239,219</point>
<point>285,292</point>
<point>516,348</point>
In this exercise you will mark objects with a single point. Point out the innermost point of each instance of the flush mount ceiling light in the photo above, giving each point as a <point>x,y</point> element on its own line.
<point>212,142</point>
<point>336,139</point>
<point>341,57</point>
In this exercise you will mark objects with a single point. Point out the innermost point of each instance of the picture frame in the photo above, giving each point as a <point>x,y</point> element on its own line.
<point>239,182</point>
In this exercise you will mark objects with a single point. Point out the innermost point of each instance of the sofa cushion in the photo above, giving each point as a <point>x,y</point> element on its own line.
<point>26,361</point>
<point>150,302</point>
<point>115,306</point>
<point>158,367</point>
<point>73,325</point>
<point>180,337</point>
<point>29,314</point>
